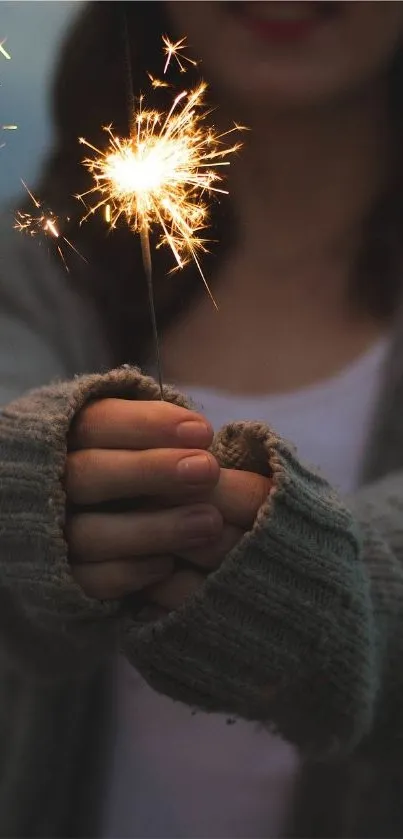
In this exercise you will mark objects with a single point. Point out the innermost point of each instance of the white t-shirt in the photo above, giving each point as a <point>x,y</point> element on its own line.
<point>178,775</point>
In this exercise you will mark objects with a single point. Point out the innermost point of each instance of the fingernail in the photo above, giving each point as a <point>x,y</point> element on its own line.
<point>197,527</point>
<point>194,432</point>
<point>194,469</point>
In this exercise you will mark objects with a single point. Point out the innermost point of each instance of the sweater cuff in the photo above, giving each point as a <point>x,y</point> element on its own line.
<point>281,632</point>
<point>47,621</point>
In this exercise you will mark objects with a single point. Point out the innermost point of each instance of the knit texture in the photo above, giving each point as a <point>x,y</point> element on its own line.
<point>282,632</point>
<point>56,717</point>
<point>50,625</point>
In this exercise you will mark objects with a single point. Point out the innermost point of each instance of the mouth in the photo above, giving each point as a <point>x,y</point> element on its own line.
<point>284,19</point>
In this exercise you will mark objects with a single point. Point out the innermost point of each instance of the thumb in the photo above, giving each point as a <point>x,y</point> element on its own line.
<point>239,496</point>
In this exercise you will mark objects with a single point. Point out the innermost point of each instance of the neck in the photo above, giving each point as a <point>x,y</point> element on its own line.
<point>302,189</point>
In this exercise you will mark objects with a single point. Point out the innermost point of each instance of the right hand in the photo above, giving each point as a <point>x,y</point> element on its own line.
<point>127,450</point>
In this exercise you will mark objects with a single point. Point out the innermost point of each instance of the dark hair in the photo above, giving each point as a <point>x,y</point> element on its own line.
<point>90,91</point>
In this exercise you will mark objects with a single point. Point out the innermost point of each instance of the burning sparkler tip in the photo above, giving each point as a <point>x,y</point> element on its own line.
<point>159,175</point>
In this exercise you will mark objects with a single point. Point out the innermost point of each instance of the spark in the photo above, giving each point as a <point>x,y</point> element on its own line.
<point>4,51</point>
<point>7,55</point>
<point>7,128</point>
<point>43,222</point>
<point>161,174</point>
<point>172,50</point>
<point>157,82</point>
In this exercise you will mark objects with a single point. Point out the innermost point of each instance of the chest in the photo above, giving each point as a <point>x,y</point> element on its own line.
<point>328,422</point>
<point>249,347</point>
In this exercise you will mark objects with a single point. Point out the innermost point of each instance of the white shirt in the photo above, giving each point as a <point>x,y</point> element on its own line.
<point>176,774</point>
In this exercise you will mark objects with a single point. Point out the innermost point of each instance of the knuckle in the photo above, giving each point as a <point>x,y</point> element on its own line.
<point>142,469</point>
<point>88,420</point>
<point>80,537</point>
<point>111,580</point>
<point>78,476</point>
<point>215,468</point>
<point>258,491</point>
<point>97,583</point>
<point>177,413</point>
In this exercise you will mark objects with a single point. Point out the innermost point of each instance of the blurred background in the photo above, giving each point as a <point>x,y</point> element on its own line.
<point>31,31</point>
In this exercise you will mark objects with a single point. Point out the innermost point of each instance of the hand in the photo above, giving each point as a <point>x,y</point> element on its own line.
<point>152,457</point>
<point>238,496</point>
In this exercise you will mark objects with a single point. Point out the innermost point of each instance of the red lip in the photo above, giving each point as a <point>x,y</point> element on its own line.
<point>283,30</point>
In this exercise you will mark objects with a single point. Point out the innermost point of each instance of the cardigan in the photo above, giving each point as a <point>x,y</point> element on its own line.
<point>300,629</point>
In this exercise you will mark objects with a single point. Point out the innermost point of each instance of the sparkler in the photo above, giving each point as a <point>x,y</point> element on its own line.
<point>4,51</point>
<point>7,128</point>
<point>175,50</point>
<point>160,177</point>
<point>43,222</point>
<point>157,82</point>
<point>7,55</point>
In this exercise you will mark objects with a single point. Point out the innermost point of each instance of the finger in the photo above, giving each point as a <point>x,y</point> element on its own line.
<point>239,496</point>
<point>100,537</point>
<point>129,424</point>
<point>212,556</point>
<point>110,580</point>
<point>96,475</point>
<point>171,593</point>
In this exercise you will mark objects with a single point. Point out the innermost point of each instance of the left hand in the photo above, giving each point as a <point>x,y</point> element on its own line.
<point>238,496</point>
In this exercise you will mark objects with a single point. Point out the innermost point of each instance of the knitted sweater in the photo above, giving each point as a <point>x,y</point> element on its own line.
<point>300,629</point>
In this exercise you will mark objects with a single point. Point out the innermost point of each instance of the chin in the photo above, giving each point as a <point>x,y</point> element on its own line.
<point>264,91</point>
<point>290,54</point>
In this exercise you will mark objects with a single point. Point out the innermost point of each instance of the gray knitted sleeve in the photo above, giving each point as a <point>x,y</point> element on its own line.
<point>47,624</point>
<point>301,628</point>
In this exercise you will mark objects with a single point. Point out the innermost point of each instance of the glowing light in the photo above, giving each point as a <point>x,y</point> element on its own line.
<point>175,50</point>
<point>4,51</point>
<point>7,128</point>
<point>161,174</point>
<point>43,222</point>
<point>7,55</point>
<point>157,82</point>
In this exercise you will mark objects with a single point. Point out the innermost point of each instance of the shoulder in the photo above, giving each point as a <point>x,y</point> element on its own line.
<point>28,268</point>
<point>41,307</point>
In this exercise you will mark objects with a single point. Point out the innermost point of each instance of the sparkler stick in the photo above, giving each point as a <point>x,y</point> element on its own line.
<point>148,269</point>
<point>159,177</point>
